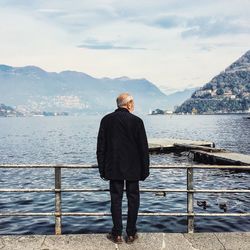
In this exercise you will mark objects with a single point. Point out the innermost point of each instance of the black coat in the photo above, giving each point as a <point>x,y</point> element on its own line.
<point>122,147</point>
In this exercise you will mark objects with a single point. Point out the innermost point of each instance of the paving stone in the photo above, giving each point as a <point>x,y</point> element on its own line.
<point>206,241</point>
<point>21,242</point>
<point>85,241</point>
<point>146,241</point>
<point>234,241</point>
<point>176,241</point>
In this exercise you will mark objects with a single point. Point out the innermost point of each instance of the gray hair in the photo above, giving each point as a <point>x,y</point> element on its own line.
<point>121,102</point>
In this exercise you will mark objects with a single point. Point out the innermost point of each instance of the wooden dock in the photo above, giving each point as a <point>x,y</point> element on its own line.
<point>164,145</point>
<point>203,151</point>
<point>226,157</point>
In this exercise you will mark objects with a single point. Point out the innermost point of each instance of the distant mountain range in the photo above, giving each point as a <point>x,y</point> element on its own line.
<point>32,88</point>
<point>225,93</point>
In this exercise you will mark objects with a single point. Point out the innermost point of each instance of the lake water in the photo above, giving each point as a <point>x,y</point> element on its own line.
<point>73,140</point>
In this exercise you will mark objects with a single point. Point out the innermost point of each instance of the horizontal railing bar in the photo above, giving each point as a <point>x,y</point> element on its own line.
<point>26,190</point>
<point>141,190</point>
<point>26,214</point>
<point>219,191</point>
<point>109,214</point>
<point>157,214</point>
<point>48,165</point>
<point>229,167</point>
<point>222,214</point>
<point>87,190</point>
<point>199,166</point>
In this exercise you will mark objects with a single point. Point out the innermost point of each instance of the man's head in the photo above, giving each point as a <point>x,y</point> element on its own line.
<point>125,100</point>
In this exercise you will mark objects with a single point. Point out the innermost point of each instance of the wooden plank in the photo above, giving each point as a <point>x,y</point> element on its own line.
<point>193,147</point>
<point>221,157</point>
<point>169,142</point>
<point>169,145</point>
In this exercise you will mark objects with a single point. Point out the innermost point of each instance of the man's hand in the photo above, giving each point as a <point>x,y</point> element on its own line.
<point>103,178</point>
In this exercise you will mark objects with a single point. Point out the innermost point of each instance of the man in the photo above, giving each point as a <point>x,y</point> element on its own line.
<point>122,155</point>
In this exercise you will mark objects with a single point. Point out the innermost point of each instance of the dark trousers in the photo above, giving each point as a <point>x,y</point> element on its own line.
<point>133,196</point>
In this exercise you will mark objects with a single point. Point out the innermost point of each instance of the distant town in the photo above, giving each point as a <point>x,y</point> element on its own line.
<point>7,111</point>
<point>195,112</point>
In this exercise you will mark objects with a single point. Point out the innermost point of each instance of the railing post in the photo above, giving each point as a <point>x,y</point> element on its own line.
<point>58,206</point>
<point>190,201</point>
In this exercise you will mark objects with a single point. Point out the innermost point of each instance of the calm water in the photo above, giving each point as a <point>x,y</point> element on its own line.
<point>73,140</point>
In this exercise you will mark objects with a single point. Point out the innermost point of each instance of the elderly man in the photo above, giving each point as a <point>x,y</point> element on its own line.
<point>122,155</point>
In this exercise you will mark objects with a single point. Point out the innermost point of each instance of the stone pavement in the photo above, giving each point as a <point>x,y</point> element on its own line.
<point>146,241</point>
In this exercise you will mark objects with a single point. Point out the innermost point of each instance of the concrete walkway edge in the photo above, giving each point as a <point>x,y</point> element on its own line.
<point>146,241</point>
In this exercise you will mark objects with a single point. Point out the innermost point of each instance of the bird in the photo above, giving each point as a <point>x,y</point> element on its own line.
<point>223,206</point>
<point>203,204</point>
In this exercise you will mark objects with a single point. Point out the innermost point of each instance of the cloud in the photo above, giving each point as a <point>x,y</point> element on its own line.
<point>168,21</point>
<point>52,12</point>
<point>195,18</point>
<point>214,26</point>
<point>97,45</point>
<point>202,26</point>
<point>27,3</point>
<point>205,46</point>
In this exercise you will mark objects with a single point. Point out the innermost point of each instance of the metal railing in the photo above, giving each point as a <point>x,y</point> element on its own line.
<point>58,190</point>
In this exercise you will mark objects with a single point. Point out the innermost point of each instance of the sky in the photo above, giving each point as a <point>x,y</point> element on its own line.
<point>175,44</point>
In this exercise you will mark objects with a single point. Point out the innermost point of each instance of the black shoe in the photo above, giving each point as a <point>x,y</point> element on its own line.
<point>115,238</point>
<point>131,238</point>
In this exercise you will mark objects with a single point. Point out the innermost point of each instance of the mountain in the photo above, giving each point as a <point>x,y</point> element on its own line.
<point>179,97</point>
<point>227,92</point>
<point>32,88</point>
